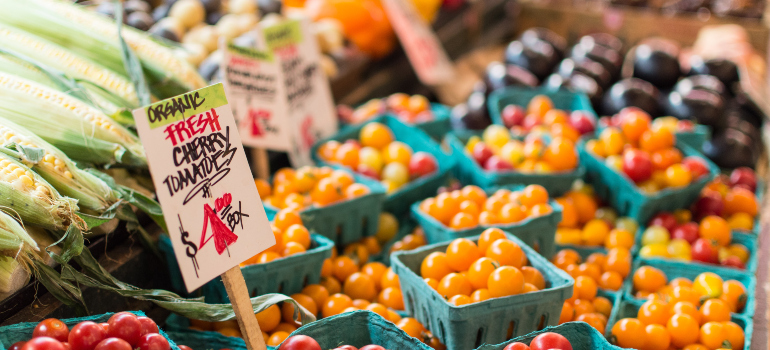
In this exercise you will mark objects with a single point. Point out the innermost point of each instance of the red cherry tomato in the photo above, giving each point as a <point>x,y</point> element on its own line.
<point>346,347</point>
<point>51,328</point>
<point>86,335</point>
<point>705,250</point>
<point>105,326</point>
<point>124,325</point>
<point>373,347</point>
<point>148,325</point>
<point>744,176</point>
<point>637,165</point>
<point>185,347</point>
<point>113,344</point>
<point>512,115</point>
<point>734,261</point>
<point>17,345</point>
<point>696,166</point>
<point>517,346</point>
<point>43,343</point>
<point>687,231</point>
<point>481,153</point>
<point>550,341</point>
<point>153,341</point>
<point>667,220</point>
<point>421,164</point>
<point>300,342</point>
<point>66,346</point>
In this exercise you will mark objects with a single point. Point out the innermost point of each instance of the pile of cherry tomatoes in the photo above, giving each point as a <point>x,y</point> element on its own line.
<point>660,325</point>
<point>378,155</point>
<point>291,237</point>
<point>671,123</point>
<point>605,271</point>
<point>585,223</point>
<point>469,272</point>
<point>309,186</point>
<point>497,150</point>
<point>540,114</point>
<point>731,197</point>
<point>408,109</point>
<point>545,341</point>
<point>123,331</point>
<point>645,152</point>
<point>470,207</point>
<point>652,284</point>
<point>708,241</point>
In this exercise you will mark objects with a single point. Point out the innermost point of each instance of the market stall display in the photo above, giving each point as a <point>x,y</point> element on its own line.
<point>592,192</point>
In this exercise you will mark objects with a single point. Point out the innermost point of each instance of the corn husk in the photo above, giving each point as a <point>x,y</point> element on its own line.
<point>81,131</point>
<point>55,167</point>
<point>69,63</point>
<point>23,67</point>
<point>94,36</point>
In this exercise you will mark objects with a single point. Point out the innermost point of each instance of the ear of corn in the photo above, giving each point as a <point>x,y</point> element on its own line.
<point>94,36</point>
<point>56,168</point>
<point>35,201</point>
<point>69,63</point>
<point>12,275</point>
<point>83,132</point>
<point>112,105</point>
<point>13,237</point>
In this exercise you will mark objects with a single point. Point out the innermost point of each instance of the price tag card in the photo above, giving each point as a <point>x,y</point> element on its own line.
<point>420,43</point>
<point>254,82</point>
<point>308,96</point>
<point>203,181</point>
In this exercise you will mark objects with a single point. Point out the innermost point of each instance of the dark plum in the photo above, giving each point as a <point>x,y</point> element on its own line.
<point>537,57</point>
<point>657,61</point>
<point>631,92</point>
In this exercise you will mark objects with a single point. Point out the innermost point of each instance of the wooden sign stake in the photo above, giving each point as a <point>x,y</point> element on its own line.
<point>239,297</point>
<point>260,163</point>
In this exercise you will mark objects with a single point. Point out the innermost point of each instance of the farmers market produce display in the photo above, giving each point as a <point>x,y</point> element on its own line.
<point>599,194</point>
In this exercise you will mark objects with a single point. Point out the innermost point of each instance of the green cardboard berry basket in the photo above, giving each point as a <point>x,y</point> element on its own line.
<point>23,331</point>
<point>626,197</point>
<point>746,239</point>
<point>537,232</point>
<point>630,309</point>
<point>580,335</point>
<point>398,202</point>
<point>674,269</point>
<point>286,275</point>
<point>520,96</point>
<point>206,340</point>
<point>695,138</point>
<point>469,326</point>
<point>468,171</point>
<point>359,328</point>
<point>348,220</point>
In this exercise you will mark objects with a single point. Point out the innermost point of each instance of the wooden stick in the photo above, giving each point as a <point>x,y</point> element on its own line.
<point>239,297</point>
<point>260,163</point>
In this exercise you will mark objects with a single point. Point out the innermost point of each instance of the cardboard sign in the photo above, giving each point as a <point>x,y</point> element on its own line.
<point>203,181</point>
<point>420,43</point>
<point>308,97</point>
<point>253,81</point>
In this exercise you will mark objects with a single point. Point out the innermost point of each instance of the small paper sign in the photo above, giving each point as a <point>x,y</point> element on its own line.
<point>203,181</point>
<point>420,43</point>
<point>254,82</point>
<point>308,97</point>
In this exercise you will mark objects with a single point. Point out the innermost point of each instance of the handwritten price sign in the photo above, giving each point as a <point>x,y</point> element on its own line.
<point>420,43</point>
<point>203,183</point>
